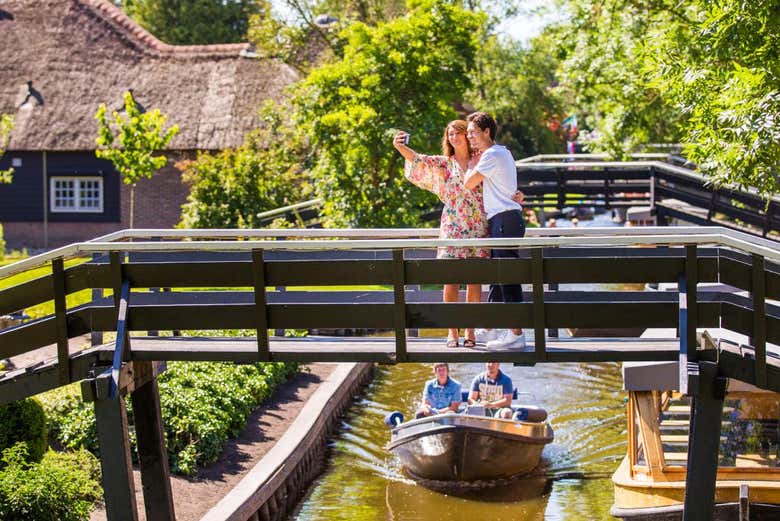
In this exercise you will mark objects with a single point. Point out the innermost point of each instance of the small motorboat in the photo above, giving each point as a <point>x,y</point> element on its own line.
<point>470,446</point>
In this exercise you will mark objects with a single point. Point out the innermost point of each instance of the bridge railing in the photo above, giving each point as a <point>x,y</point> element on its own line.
<point>224,283</point>
<point>655,180</point>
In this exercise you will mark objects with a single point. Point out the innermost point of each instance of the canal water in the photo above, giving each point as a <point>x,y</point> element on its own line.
<point>586,410</point>
<point>585,402</point>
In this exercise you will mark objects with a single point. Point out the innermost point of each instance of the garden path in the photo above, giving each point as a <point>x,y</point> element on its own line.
<point>193,497</point>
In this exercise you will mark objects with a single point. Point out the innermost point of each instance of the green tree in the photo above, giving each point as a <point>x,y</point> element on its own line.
<point>302,42</point>
<point>607,73</point>
<point>194,22</point>
<point>131,141</point>
<point>725,79</point>
<point>515,84</point>
<point>230,188</point>
<point>405,73</point>
<point>705,73</point>
<point>6,124</point>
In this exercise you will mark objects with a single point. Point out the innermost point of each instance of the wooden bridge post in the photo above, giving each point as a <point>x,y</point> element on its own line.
<point>115,462</point>
<point>261,307</point>
<point>96,337</point>
<point>537,274</point>
<point>399,309</point>
<point>61,319</point>
<point>708,391</point>
<point>152,453</point>
<point>758,338</point>
<point>688,316</point>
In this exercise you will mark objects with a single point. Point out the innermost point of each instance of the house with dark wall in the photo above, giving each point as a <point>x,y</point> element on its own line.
<point>59,60</point>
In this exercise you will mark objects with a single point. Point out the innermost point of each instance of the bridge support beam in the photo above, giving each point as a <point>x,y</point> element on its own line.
<point>140,380</point>
<point>115,461</point>
<point>152,453</point>
<point>707,390</point>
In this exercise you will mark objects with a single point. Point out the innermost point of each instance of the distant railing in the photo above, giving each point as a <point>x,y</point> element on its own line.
<point>653,180</point>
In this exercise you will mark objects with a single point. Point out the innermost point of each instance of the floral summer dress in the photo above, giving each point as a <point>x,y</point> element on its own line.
<point>464,215</point>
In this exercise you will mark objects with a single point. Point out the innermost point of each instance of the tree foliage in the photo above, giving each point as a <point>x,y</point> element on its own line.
<point>301,41</point>
<point>405,73</point>
<point>704,73</point>
<point>725,79</point>
<point>606,75</point>
<point>6,124</point>
<point>230,188</point>
<point>515,84</point>
<point>130,142</point>
<point>195,22</point>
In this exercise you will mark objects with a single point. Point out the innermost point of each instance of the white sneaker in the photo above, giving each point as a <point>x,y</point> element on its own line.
<point>508,341</point>
<point>484,336</point>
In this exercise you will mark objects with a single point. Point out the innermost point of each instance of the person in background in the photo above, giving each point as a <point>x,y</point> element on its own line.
<point>492,390</point>
<point>463,216</point>
<point>497,173</point>
<point>441,394</point>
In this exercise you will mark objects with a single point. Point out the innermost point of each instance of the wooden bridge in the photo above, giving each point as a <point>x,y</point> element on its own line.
<point>262,280</point>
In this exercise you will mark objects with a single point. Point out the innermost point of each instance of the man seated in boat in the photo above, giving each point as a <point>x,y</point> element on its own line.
<point>492,390</point>
<point>441,394</point>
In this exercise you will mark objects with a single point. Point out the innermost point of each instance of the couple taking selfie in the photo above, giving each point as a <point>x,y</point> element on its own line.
<point>476,179</point>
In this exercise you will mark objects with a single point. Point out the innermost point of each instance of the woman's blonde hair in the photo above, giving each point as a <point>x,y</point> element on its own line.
<point>460,126</point>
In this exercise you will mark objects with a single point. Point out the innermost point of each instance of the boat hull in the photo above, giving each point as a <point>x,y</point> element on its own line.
<point>468,448</point>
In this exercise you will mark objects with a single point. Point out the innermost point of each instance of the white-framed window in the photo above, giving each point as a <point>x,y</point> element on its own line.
<point>76,194</point>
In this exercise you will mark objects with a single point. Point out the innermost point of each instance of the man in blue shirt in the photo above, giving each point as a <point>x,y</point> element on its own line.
<point>441,394</point>
<point>493,391</point>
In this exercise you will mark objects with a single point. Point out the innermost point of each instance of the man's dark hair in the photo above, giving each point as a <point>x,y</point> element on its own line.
<point>483,120</point>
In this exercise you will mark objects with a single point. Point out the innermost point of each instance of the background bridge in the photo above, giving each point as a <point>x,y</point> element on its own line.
<point>265,280</point>
<point>665,184</point>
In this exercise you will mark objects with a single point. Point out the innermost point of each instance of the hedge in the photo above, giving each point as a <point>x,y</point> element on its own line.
<point>203,405</point>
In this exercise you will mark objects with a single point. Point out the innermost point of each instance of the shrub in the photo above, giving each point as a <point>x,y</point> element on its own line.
<point>62,487</point>
<point>203,405</point>
<point>24,422</point>
<point>71,421</point>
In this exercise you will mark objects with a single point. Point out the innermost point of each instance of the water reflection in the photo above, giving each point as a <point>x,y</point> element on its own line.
<point>520,499</point>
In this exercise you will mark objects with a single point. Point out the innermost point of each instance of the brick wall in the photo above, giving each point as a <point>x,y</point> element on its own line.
<point>157,205</point>
<point>157,200</point>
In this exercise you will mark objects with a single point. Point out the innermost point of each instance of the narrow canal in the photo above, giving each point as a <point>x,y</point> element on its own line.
<point>364,482</point>
<point>585,404</point>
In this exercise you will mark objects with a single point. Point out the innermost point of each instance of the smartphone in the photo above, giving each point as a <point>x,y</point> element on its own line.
<point>406,139</point>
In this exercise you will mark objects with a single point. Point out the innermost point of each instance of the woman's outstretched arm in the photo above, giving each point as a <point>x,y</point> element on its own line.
<point>402,147</point>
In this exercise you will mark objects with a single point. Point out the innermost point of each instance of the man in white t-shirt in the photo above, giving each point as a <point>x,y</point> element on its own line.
<point>497,172</point>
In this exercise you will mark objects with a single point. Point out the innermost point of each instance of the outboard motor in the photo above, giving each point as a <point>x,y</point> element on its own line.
<point>394,419</point>
<point>530,414</point>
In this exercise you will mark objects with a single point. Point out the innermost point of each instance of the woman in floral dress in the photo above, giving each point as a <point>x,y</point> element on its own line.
<point>463,216</point>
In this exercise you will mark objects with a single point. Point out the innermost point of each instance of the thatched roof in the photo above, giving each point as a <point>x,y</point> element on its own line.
<point>80,53</point>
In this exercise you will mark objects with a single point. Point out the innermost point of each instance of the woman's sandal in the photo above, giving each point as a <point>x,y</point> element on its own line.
<point>467,342</point>
<point>453,343</point>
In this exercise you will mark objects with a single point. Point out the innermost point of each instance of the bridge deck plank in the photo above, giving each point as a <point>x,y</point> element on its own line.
<point>381,349</point>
